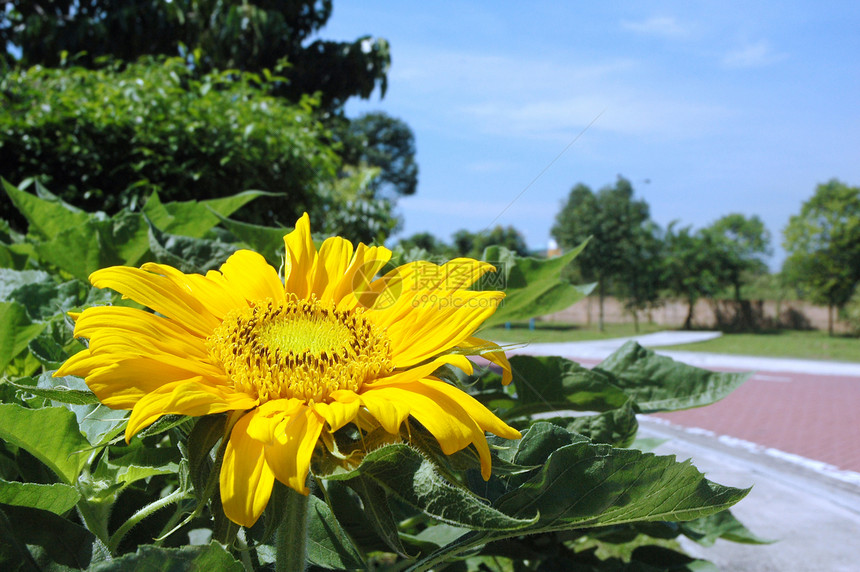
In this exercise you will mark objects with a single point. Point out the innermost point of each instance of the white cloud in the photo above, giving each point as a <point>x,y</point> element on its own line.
<point>549,99</point>
<point>752,55</point>
<point>661,26</point>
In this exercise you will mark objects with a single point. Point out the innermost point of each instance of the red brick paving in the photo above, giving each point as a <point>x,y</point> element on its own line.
<point>815,416</point>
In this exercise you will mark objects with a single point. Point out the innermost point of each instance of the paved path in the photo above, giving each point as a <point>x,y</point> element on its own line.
<point>805,408</point>
<point>790,432</point>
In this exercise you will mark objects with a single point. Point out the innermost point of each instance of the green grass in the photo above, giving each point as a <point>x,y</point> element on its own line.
<point>551,332</point>
<point>776,343</point>
<point>781,343</point>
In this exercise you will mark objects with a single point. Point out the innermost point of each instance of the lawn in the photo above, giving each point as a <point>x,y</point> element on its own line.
<point>781,343</point>
<point>550,332</point>
<point>774,343</point>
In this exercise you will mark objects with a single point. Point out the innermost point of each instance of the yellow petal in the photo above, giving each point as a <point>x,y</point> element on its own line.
<point>215,296</point>
<point>249,275</point>
<point>444,324</point>
<point>497,356</point>
<point>246,480</point>
<point>290,455</point>
<point>191,397</point>
<point>485,418</point>
<point>159,293</point>
<point>358,277</point>
<point>340,411</point>
<point>301,255</point>
<point>271,414</point>
<point>391,413</point>
<point>454,418</point>
<point>158,333</point>
<point>120,384</point>
<point>331,263</point>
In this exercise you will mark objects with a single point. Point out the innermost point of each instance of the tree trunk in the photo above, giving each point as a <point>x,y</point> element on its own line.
<point>636,320</point>
<point>830,319</point>
<point>688,323</point>
<point>602,294</point>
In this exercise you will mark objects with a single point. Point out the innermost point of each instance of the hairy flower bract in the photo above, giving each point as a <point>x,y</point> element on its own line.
<point>293,361</point>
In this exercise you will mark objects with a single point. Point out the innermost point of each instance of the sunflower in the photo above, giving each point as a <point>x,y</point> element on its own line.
<point>293,361</point>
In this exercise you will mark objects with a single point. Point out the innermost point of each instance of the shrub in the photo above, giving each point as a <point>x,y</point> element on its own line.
<point>106,139</point>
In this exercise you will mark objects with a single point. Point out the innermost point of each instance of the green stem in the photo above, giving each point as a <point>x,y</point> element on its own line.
<point>292,535</point>
<point>146,511</point>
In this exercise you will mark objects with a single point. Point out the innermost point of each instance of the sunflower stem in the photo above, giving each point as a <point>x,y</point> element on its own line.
<point>292,535</point>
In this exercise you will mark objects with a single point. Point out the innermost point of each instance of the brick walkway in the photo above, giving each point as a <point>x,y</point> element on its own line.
<point>815,416</point>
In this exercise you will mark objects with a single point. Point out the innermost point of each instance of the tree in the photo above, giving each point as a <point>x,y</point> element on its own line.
<point>473,245</point>
<point>245,35</point>
<point>425,241</point>
<point>259,43</point>
<point>690,266</point>
<point>639,281</point>
<point>107,139</point>
<point>823,245</point>
<point>379,140</point>
<point>740,243</point>
<point>613,220</point>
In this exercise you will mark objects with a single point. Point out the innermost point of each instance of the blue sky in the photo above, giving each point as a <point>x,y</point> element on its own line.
<point>709,108</point>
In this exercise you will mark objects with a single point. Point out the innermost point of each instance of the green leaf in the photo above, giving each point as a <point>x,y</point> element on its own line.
<point>532,286</point>
<point>708,529</point>
<point>267,241</point>
<point>194,218</point>
<point>189,558</point>
<point>583,485</point>
<point>97,243</point>
<point>378,512</point>
<point>50,434</point>
<point>188,254</point>
<point>48,217</point>
<point>63,541</point>
<point>57,497</point>
<point>405,473</point>
<point>207,431</point>
<point>11,280</point>
<point>141,462</point>
<point>555,383</point>
<point>663,559</point>
<point>58,393</point>
<point>658,383</point>
<point>328,544</point>
<point>16,331</point>
<point>616,427</point>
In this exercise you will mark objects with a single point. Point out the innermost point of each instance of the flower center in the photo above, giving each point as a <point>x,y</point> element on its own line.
<point>304,349</point>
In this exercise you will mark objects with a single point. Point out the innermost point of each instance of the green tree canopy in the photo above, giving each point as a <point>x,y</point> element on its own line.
<point>107,139</point>
<point>742,244</point>
<point>613,220</point>
<point>379,140</point>
<point>473,244</point>
<point>823,245</point>
<point>691,269</point>
<point>215,34</point>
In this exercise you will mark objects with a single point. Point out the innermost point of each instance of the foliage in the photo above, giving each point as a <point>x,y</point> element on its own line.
<point>467,243</point>
<point>213,35</point>
<point>107,139</point>
<point>823,245</point>
<point>690,268</point>
<point>616,224</point>
<point>385,142</point>
<point>473,244</point>
<point>78,496</point>
<point>741,243</point>
<point>639,281</point>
